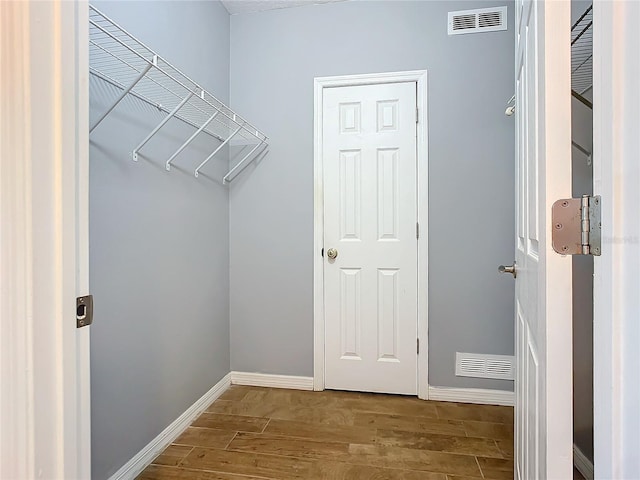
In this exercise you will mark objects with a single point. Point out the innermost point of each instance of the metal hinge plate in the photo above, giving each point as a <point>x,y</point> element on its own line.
<point>417,230</point>
<point>417,345</point>
<point>84,311</point>
<point>576,226</point>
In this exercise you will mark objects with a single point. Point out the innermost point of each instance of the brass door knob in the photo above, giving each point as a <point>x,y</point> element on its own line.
<point>332,253</point>
<point>508,269</point>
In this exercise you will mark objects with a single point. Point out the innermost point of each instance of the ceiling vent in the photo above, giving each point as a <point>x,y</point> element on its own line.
<point>485,366</point>
<point>477,21</point>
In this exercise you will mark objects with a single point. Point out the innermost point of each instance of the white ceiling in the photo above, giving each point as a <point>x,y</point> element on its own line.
<point>235,7</point>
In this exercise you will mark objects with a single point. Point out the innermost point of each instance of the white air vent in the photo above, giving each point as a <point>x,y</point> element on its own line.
<point>478,21</point>
<point>485,366</point>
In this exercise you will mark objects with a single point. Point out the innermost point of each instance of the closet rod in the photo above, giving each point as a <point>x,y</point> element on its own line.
<point>243,124</point>
<point>239,165</point>
<point>216,151</point>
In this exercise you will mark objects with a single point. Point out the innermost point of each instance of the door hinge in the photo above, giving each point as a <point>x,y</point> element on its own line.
<point>417,230</point>
<point>576,226</point>
<point>417,345</point>
<point>417,115</point>
<point>84,311</point>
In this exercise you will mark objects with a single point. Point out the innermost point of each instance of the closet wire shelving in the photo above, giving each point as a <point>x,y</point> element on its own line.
<point>582,64</point>
<point>582,53</point>
<point>123,61</point>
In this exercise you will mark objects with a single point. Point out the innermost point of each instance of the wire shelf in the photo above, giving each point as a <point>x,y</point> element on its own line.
<point>582,65</point>
<point>118,58</point>
<point>582,53</point>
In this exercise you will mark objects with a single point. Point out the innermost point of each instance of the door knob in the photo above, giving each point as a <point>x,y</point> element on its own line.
<point>508,269</point>
<point>332,253</point>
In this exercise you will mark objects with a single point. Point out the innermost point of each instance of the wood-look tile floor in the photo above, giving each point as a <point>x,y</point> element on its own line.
<point>266,433</point>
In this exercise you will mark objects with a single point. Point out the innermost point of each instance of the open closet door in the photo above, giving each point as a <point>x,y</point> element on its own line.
<point>543,283</point>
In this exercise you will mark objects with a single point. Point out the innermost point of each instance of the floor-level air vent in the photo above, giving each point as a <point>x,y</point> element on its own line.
<point>478,21</point>
<point>485,366</point>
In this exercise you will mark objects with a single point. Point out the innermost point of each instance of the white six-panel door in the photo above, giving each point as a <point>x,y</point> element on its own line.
<point>370,212</point>
<point>543,284</point>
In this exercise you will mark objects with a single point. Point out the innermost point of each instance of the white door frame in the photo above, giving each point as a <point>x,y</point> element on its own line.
<point>616,118</point>
<point>83,339</point>
<point>44,388</point>
<point>420,77</point>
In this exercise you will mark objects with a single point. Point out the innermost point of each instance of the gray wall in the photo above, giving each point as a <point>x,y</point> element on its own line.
<point>158,244</point>
<point>582,180</point>
<point>274,57</point>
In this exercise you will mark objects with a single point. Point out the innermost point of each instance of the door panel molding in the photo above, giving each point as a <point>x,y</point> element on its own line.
<point>420,78</point>
<point>543,433</point>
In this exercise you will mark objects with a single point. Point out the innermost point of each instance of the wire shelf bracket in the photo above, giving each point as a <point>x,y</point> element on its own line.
<point>134,153</point>
<point>189,140</point>
<point>124,93</point>
<point>216,151</point>
<point>121,60</point>
<point>241,165</point>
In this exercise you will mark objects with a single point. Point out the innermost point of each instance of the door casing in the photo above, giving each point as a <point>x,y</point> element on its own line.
<point>616,333</point>
<point>44,358</point>
<point>320,83</point>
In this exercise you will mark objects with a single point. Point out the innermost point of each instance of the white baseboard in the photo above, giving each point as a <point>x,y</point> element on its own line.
<point>145,456</point>
<point>472,395</point>
<point>274,381</point>
<point>582,463</point>
<point>444,394</point>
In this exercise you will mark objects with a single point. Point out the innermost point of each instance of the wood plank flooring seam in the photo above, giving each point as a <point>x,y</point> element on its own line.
<point>495,442</point>
<point>222,472</point>
<point>232,439</point>
<point>266,424</point>
<point>479,467</point>
<point>317,460</point>
<point>377,441</point>
<point>346,462</point>
<point>182,460</point>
